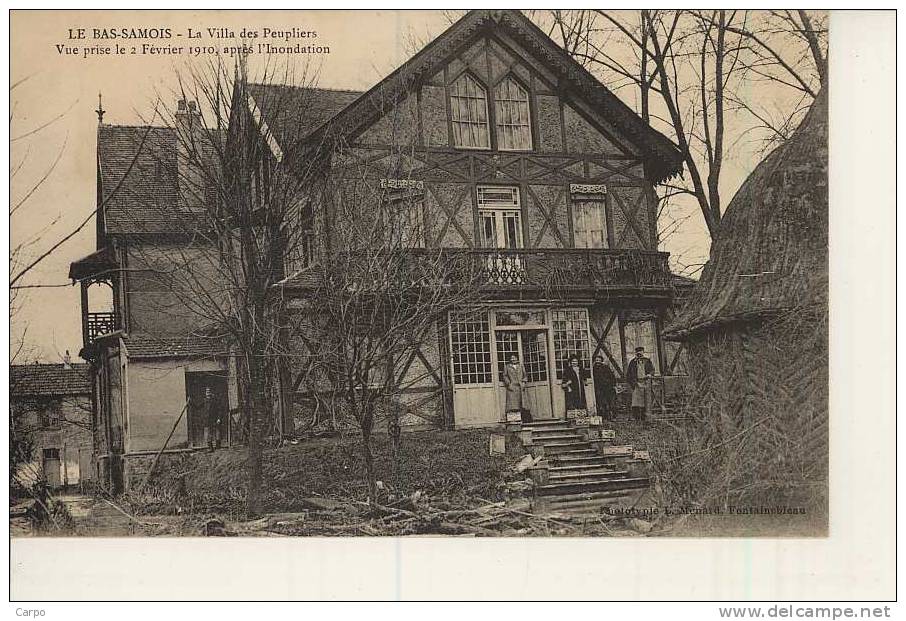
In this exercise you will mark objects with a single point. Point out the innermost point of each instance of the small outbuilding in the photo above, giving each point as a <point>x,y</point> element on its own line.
<point>755,329</point>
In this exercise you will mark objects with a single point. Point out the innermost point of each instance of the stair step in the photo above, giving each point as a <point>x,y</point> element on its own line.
<point>546,422</point>
<point>542,431</point>
<point>576,487</point>
<point>569,445</point>
<point>576,452</point>
<point>584,458</point>
<point>589,497</point>
<point>554,456</point>
<point>603,465</point>
<point>560,437</point>
<point>598,475</point>
<point>559,428</point>
<point>592,507</point>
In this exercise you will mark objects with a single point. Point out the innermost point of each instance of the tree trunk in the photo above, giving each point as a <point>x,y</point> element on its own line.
<point>395,432</point>
<point>258,417</point>
<point>369,466</point>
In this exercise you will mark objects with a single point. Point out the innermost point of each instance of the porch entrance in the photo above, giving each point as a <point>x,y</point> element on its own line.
<point>530,348</point>
<point>543,339</point>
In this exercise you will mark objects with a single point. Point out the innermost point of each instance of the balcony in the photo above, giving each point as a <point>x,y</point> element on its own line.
<point>501,273</point>
<point>98,324</point>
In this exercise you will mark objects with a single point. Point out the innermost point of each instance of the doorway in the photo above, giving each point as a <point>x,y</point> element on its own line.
<point>51,466</point>
<point>530,348</point>
<point>196,383</point>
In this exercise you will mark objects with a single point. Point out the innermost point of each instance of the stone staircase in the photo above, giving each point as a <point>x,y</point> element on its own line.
<point>582,470</point>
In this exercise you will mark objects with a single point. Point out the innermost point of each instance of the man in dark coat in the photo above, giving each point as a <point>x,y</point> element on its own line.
<point>638,376</point>
<point>213,419</point>
<point>605,388</point>
<point>573,384</point>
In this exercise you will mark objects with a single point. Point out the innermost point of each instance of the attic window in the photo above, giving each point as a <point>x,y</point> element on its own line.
<point>511,116</point>
<point>469,113</point>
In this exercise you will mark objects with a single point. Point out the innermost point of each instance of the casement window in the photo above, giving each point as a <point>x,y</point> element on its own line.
<point>589,215</point>
<point>500,222</point>
<point>51,416</point>
<point>404,209</point>
<point>511,116</point>
<point>469,113</point>
<point>589,223</point>
<point>470,346</point>
<point>570,338</point>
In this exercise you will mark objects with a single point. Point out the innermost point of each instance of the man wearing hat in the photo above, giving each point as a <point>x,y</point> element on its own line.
<point>638,376</point>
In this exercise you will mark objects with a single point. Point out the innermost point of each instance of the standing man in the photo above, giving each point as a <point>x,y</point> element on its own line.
<point>574,385</point>
<point>605,388</point>
<point>638,376</point>
<point>213,419</point>
<point>514,379</point>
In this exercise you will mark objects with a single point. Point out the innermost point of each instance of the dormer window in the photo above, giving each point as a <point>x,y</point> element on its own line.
<point>511,116</point>
<point>469,113</point>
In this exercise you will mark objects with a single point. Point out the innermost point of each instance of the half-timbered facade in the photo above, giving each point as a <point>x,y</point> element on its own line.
<point>492,142</point>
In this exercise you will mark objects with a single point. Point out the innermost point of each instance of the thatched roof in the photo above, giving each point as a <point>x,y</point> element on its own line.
<point>770,253</point>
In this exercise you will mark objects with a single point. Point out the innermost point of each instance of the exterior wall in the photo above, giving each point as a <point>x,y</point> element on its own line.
<point>167,285</point>
<point>71,437</point>
<point>422,398</point>
<point>572,144</point>
<point>157,395</point>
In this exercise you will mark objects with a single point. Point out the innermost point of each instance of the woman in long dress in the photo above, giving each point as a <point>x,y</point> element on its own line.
<point>573,384</point>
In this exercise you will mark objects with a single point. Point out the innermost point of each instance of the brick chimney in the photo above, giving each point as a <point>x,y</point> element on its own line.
<point>190,146</point>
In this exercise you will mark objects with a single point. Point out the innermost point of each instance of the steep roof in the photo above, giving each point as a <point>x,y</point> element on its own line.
<point>140,183</point>
<point>294,112</point>
<point>770,251</point>
<point>346,112</point>
<point>48,380</point>
<point>135,165</point>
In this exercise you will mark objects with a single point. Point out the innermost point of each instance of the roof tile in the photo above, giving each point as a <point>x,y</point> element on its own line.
<point>48,380</point>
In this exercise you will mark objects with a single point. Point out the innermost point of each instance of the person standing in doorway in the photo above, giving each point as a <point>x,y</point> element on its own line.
<point>605,388</point>
<point>514,379</point>
<point>213,419</point>
<point>574,385</point>
<point>638,376</point>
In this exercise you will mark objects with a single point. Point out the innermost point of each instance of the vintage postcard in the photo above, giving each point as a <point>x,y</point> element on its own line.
<point>472,273</point>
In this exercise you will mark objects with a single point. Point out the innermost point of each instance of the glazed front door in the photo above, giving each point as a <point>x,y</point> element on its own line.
<point>530,348</point>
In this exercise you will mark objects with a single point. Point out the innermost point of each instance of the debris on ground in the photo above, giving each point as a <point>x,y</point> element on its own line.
<point>420,515</point>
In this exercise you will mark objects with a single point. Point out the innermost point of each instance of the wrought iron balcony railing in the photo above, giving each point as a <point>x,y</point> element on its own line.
<point>558,269</point>
<point>543,271</point>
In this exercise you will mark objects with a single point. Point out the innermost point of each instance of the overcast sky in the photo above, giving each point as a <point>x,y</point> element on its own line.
<point>364,46</point>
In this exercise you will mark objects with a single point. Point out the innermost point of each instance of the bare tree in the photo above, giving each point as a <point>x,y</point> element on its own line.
<point>377,295</point>
<point>688,70</point>
<point>218,248</point>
